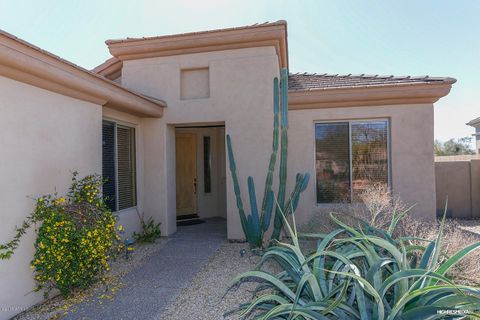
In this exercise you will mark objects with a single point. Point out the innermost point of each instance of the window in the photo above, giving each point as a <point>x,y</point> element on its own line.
<point>118,166</point>
<point>207,165</point>
<point>349,157</point>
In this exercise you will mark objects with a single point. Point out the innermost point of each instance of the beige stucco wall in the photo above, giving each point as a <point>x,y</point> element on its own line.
<point>458,179</point>
<point>45,136</point>
<point>475,187</point>
<point>411,149</point>
<point>241,97</point>
<point>453,181</point>
<point>240,88</point>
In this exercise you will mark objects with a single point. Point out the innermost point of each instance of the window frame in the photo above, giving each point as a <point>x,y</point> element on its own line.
<point>350,121</point>
<point>135,157</point>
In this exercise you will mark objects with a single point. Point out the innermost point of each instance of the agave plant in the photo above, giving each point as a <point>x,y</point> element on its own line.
<point>359,272</point>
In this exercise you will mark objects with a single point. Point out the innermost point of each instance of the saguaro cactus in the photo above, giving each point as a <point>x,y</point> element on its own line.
<point>286,207</point>
<point>255,225</point>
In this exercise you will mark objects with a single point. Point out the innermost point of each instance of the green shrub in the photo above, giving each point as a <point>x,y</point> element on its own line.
<point>150,230</point>
<point>76,238</point>
<point>359,272</point>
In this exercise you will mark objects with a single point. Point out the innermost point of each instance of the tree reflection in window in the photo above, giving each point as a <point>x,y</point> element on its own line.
<point>332,162</point>
<point>349,157</point>
<point>369,155</point>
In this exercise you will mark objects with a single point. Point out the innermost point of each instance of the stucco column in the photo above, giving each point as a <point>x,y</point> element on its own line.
<point>159,181</point>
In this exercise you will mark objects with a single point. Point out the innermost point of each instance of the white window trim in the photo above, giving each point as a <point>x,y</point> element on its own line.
<point>350,121</point>
<point>135,127</point>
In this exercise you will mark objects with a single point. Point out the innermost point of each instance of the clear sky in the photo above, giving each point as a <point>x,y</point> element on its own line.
<point>408,37</point>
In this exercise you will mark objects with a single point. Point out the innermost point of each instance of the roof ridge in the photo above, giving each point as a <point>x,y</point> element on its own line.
<point>191,33</point>
<point>374,76</point>
<point>312,81</point>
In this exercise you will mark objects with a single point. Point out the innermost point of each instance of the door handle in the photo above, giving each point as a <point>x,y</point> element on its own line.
<point>195,185</point>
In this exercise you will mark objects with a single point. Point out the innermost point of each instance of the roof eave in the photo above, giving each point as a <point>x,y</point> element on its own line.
<point>274,34</point>
<point>110,69</point>
<point>22,61</point>
<point>410,93</point>
<point>473,123</point>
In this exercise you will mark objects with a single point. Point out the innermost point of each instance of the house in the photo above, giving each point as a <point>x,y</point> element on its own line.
<point>153,120</point>
<point>476,124</point>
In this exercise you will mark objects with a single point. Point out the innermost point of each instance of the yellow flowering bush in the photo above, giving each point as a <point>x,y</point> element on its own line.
<point>76,239</point>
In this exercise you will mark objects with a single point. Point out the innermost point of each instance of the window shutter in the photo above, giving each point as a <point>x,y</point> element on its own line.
<point>369,155</point>
<point>126,167</point>
<point>332,162</point>
<point>108,164</point>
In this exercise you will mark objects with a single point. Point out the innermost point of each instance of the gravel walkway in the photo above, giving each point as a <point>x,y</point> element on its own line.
<point>205,297</point>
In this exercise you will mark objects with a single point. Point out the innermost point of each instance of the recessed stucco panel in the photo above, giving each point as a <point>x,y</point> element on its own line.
<point>45,137</point>
<point>194,83</point>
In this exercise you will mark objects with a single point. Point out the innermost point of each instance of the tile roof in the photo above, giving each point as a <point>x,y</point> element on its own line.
<point>309,81</point>
<point>473,122</point>
<point>256,25</point>
<point>104,65</point>
<point>71,64</point>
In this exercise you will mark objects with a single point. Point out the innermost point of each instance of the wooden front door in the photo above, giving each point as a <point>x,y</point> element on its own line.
<point>186,173</point>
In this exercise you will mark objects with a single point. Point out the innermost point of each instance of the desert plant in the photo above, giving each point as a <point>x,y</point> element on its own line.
<point>379,206</point>
<point>150,230</point>
<point>359,272</point>
<point>76,238</point>
<point>454,147</point>
<point>257,223</point>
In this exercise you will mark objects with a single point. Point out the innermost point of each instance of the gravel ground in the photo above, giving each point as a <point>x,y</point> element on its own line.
<point>204,298</point>
<point>469,225</point>
<point>57,306</point>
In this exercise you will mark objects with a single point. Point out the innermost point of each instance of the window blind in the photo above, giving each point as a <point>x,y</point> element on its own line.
<point>118,166</point>
<point>126,167</point>
<point>332,162</point>
<point>108,164</point>
<point>350,156</point>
